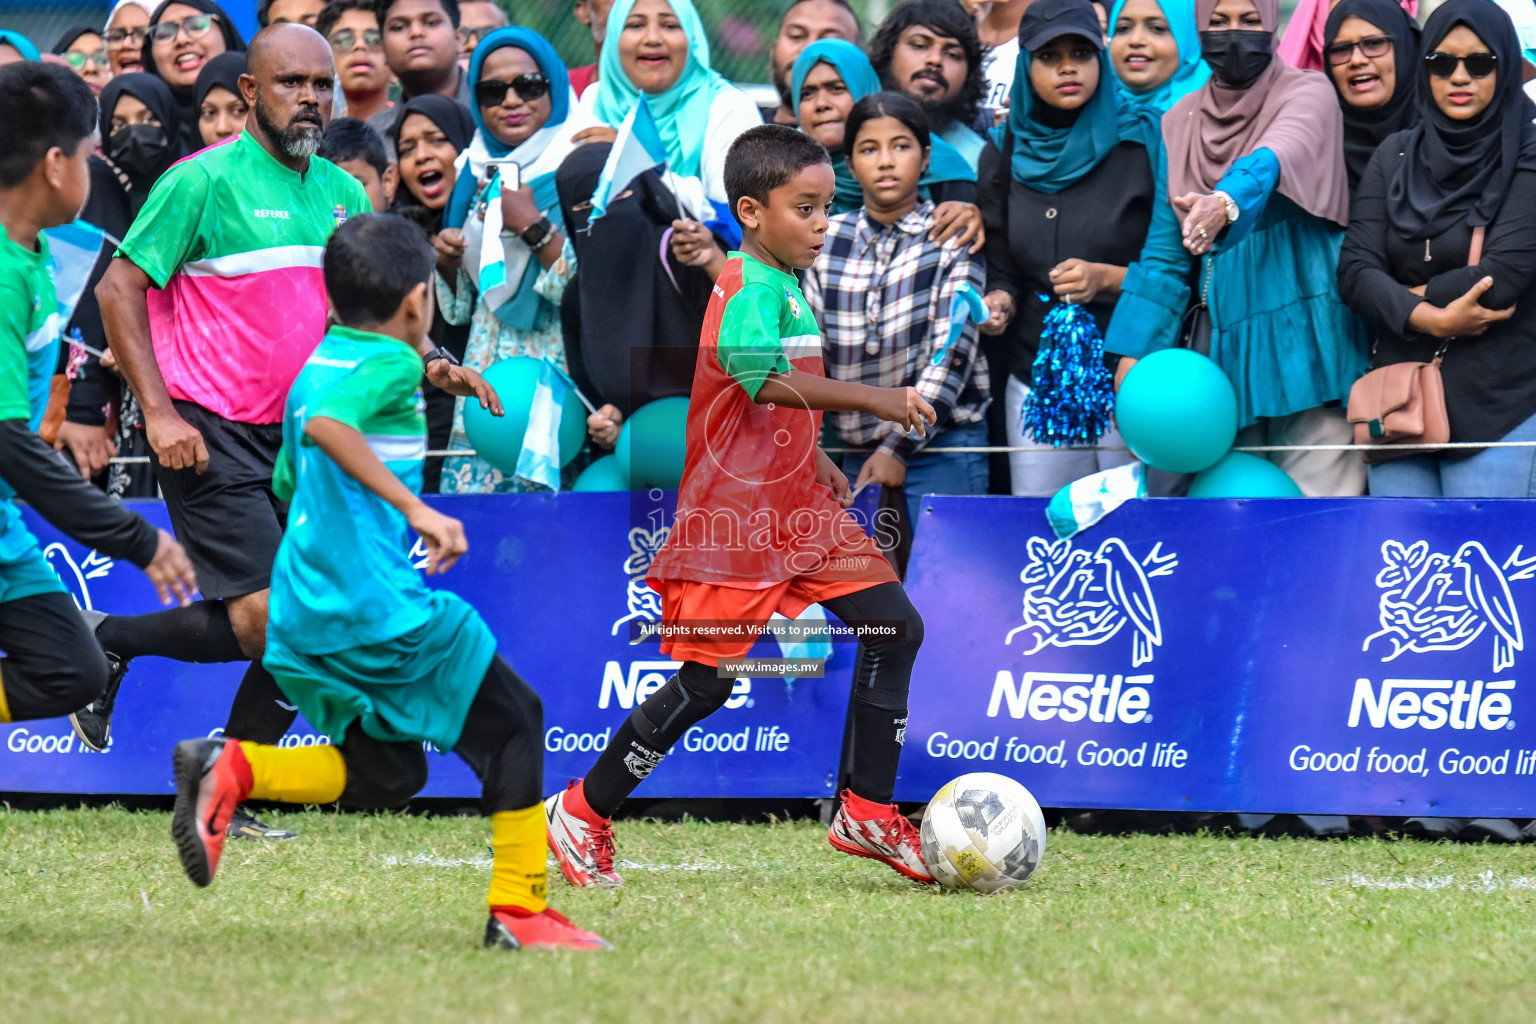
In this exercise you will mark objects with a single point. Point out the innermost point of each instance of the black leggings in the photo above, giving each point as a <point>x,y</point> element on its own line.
<point>52,665</point>
<point>881,679</point>
<point>501,741</point>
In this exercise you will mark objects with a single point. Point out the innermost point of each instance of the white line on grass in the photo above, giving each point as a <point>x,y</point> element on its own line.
<point>1483,881</point>
<point>426,860</point>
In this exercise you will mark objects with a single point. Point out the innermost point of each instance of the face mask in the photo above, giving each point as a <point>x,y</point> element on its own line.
<point>1239,56</point>
<point>138,149</point>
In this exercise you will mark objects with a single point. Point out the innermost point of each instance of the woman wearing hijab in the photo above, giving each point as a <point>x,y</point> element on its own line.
<point>127,29</point>
<point>221,109</point>
<point>1066,192</point>
<point>1372,53</point>
<point>141,132</point>
<point>1469,165</point>
<point>20,47</point>
<point>184,35</point>
<point>84,49</point>
<point>1306,33</point>
<point>1254,197</point>
<point>1155,51</point>
<point>523,113</point>
<point>430,133</point>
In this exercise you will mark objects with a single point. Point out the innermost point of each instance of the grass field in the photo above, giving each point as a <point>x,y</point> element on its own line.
<point>377,918</point>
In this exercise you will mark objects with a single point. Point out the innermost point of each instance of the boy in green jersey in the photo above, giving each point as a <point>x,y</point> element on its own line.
<point>52,664</point>
<point>374,658</point>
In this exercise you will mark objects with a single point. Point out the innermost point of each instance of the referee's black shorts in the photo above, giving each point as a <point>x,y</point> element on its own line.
<point>227,518</point>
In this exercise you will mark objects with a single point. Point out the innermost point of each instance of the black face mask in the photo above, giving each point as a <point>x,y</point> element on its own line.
<point>1238,56</point>
<point>139,149</point>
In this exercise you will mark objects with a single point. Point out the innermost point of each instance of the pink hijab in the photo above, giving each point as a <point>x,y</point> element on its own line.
<point>1292,113</point>
<point>1302,44</point>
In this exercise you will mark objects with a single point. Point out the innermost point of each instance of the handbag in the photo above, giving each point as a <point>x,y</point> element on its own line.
<point>1404,403</point>
<point>1195,329</point>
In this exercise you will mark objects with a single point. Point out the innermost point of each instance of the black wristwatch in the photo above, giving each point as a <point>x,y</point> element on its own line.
<point>538,236</point>
<point>439,353</point>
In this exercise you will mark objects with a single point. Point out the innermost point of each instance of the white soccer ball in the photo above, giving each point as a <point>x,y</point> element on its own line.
<point>983,831</point>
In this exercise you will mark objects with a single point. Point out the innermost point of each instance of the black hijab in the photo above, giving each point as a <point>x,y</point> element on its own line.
<point>191,139</point>
<point>1364,129</point>
<point>223,71</point>
<point>156,95</point>
<point>68,38</point>
<point>1460,170</point>
<point>454,121</point>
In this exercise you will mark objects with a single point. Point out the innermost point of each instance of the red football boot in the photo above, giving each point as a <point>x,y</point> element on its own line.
<point>581,841</point>
<point>513,928</point>
<point>212,777</point>
<point>879,832</point>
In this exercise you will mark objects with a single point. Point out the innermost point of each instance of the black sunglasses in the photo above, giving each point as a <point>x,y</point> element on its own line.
<point>489,92</point>
<point>347,38</point>
<point>1370,46</point>
<point>1479,65</point>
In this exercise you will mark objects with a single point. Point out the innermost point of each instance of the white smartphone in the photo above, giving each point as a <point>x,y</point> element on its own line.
<point>511,174</point>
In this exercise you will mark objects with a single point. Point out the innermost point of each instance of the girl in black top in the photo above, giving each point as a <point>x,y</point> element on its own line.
<point>1470,163</point>
<point>1371,48</point>
<point>1066,194</point>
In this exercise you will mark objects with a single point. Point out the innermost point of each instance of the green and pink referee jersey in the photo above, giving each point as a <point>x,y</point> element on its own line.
<point>232,239</point>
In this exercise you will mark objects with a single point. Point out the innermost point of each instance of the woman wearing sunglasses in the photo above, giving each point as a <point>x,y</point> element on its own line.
<point>1372,52</point>
<point>85,51</point>
<point>1253,206</point>
<point>524,112</point>
<point>1469,164</point>
<point>183,36</point>
<point>127,28</point>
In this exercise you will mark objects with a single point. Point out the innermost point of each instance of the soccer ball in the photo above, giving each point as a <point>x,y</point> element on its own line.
<point>983,831</point>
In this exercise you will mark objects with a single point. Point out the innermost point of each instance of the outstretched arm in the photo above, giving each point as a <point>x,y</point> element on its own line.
<point>809,391</point>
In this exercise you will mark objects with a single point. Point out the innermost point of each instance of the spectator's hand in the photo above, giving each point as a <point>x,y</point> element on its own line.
<point>597,133</point>
<point>465,382</point>
<point>444,537</point>
<point>518,211</point>
<point>1077,280</point>
<point>885,470</point>
<point>1463,318</point>
<point>175,441</point>
<point>906,407</point>
<point>171,572</point>
<point>1123,368</point>
<point>961,222</point>
<point>694,246</point>
<point>109,361</point>
<point>603,425</point>
<point>834,479</point>
<point>1001,305</point>
<point>449,244</point>
<point>1204,218</point>
<point>91,446</point>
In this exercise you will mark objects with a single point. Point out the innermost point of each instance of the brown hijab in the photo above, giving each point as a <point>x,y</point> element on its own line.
<point>1292,113</point>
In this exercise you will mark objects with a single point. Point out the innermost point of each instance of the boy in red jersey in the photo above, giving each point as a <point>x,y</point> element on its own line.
<point>761,524</point>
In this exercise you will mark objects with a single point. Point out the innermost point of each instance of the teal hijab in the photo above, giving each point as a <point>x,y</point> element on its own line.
<point>682,112</point>
<point>1192,71</point>
<point>21,44</point>
<point>1048,159</point>
<point>944,161</point>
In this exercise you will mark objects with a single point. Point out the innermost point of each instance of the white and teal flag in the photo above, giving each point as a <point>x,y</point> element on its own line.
<point>1084,502</point>
<point>637,149</point>
<point>75,248</point>
<point>539,461</point>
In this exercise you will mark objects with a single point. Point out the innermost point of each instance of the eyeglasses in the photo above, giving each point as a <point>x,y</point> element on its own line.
<point>347,38</point>
<point>135,36</point>
<point>490,92</point>
<point>1478,65</point>
<point>78,60</point>
<point>1370,46</point>
<point>197,26</point>
<point>472,36</point>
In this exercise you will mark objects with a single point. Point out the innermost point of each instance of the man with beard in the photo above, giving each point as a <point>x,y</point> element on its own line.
<point>806,22</point>
<point>929,49</point>
<point>230,240</point>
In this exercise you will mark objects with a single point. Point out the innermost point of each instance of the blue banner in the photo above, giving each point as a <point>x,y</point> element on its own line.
<point>560,580</point>
<point>1357,656</point>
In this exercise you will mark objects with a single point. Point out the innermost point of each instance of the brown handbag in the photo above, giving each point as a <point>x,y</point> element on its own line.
<point>1404,403</point>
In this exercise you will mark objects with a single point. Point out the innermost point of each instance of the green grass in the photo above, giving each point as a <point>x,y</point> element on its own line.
<point>378,918</point>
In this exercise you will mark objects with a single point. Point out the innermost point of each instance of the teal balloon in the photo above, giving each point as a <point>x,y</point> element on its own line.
<point>1177,411</point>
<point>499,440</point>
<point>602,475</point>
<point>653,444</point>
<point>1241,475</point>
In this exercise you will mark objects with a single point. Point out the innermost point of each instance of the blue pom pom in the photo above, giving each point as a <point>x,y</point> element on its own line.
<point>1071,392</point>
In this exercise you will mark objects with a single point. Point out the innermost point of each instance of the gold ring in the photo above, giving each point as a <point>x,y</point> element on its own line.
<point>1202,233</point>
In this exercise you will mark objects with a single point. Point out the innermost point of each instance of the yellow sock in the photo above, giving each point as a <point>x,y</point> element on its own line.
<point>5,709</point>
<point>295,775</point>
<point>517,862</point>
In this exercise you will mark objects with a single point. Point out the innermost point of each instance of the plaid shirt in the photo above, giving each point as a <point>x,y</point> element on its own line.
<point>881,294</point>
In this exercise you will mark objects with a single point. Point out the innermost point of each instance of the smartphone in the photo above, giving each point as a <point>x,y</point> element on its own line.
<point>511,174</point>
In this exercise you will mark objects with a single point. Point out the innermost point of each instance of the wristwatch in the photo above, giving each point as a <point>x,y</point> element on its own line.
<point>439,353</point>
<point>1233,211</point>
<point>537,236</point>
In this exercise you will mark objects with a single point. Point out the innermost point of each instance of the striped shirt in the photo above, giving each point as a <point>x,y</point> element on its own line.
<point>882,294</point>
<point>232,239</point>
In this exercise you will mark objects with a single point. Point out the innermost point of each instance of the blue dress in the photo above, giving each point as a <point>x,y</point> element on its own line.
<point>1278,327</point>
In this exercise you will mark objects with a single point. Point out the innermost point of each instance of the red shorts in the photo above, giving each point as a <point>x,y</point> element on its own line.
<point>692,610</point>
